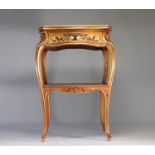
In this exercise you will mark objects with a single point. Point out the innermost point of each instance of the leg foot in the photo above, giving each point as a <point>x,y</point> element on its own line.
<point>43,138</point>
<point>109,136</point>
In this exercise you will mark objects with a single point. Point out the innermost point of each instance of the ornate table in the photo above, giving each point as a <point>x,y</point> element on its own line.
<point>55,38</point>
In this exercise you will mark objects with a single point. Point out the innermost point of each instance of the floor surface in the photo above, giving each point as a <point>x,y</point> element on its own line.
<point>30,134</point>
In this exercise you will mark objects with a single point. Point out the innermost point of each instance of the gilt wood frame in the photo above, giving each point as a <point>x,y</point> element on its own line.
<point>54,38</point>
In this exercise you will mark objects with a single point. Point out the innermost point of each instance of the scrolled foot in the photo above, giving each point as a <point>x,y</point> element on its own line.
<point>43,138</point>
<point>109,136</point>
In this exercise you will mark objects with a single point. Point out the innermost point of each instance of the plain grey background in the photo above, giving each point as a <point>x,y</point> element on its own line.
<point>132,100</point>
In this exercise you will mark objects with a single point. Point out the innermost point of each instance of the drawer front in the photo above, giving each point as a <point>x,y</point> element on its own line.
<point>75,38</point>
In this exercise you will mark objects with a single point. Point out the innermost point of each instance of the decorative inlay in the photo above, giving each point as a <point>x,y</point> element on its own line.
<point>74,37</point>
<point>77,90</point>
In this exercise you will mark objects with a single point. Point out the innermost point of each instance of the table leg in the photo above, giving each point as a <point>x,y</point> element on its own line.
<point>45,113</point>
<point>107,130</point>
<point>105,71</point>
<point>48,109</point>
<point>40,52</point>
<point>102,110</point>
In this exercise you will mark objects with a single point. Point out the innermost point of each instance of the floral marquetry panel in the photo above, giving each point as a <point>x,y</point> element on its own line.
<point>75,37</point>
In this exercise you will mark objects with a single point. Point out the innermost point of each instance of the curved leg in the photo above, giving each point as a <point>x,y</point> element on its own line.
<point>43,61</point>
<point>102,110</point>
<point>105,71</point>
<point>43,65</point>
<point>109,67</point>
<point>39,61</point>
<point>107,130</point>
<point>111,60</point>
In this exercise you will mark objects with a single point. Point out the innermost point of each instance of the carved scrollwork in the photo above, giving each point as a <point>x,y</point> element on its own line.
<point>76,90</point>
<point>74,37</point>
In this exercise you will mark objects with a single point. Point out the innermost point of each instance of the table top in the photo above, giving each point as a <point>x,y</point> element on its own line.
<point>72,27</point>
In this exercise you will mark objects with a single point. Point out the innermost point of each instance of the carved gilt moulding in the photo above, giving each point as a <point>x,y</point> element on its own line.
<point>88,35</point>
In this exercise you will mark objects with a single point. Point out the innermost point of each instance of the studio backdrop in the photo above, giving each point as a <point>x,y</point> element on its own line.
<point>133,92</point>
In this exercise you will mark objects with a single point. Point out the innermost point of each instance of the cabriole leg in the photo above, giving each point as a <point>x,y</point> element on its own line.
<point>107,130</point>
<point>44,95</point>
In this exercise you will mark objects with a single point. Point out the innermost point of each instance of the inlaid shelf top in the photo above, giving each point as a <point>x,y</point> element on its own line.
<point>75,88</point>
<point>55,38</point>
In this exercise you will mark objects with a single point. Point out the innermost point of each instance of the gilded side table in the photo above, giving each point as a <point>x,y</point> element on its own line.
<point>55,38</point>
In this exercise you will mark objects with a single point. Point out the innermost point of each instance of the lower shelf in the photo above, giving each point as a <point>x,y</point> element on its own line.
<point>75,87</point>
